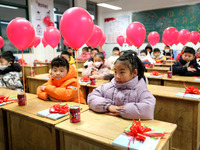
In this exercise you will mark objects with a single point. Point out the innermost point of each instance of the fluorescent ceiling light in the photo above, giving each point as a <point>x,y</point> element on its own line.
<point>2,22</point>
<point>58,14</point>
<point>109,6</point>
<point>6,6</point>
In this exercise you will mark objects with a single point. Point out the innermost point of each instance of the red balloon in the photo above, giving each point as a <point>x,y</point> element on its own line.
<point>177,42</point>
<point>32,43</point>
<point>52,36</point>
<point>103,40</point>
<point>136,33</point>
<point>96,36</point>
<point>51,24</point>
<point>65,43</point>
<point>36,41</point>
<point>128,42</point>
<point>20,32</point>
<point>80,28</point>
<point>164,41</point>
<point>1,42</point>
<point>153,38</point>
<point>120,40</point>
<point>47,20</point>
<point>194,37</point>
<point>44,42</point>
<point>170,35</point>
<point>184,36</point>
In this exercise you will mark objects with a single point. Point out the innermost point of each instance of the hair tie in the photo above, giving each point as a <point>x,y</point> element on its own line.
<point>133,54</point>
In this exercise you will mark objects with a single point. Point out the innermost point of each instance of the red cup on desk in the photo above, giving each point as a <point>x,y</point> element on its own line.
<point>34,64</point>
<point>74,114</point>
<point>46,61</point>
<point>169,74</point>
<point>150,65</point>
<point>32,73</point>
<point>164,62</point>
<point>21,99</point>
<point>92,81</point>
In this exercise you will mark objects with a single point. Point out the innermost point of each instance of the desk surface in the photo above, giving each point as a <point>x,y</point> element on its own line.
<point>35,105</point>
<point>159,68</point>
<point>104,129</point>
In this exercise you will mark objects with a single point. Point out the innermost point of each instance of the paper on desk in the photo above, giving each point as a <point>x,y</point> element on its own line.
<point>197,79</point>
<point>193,96</point>
<point>54,116</point>
<point>154,76</point>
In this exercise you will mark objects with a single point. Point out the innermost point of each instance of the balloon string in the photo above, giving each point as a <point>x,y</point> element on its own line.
<point>171,61</point>
<point>77,77</point>
<point>23,71</point>
<point>30,59</point>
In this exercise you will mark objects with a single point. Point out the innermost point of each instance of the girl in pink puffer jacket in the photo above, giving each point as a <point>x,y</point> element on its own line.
<point>127,94</point>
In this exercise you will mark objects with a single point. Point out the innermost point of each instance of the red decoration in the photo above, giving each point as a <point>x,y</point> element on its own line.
<point>57,108</point>
<point>155,73</point>
<point>191,90</point>
<point>6,99</point>
<point>1,42</point>
<point>47,20</point>
<point>85,79</point>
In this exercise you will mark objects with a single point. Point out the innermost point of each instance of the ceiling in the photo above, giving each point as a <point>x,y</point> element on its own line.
<point>139,5</point>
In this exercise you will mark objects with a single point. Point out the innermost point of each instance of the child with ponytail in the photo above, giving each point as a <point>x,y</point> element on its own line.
<point>127,94</point>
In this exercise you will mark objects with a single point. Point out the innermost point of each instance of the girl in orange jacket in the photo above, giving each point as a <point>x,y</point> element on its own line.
<point>63,85</point>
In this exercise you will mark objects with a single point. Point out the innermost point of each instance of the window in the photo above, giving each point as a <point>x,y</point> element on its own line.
<point>8,11</point>
<point>92,9</point>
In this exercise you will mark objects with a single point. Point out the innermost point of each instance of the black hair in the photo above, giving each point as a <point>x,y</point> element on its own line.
<point>101,55</point>
<point>116,49</point>
<point>69,47</point>
<point>167,46</point>
<point>66,53</point>
<point>143,51</point>
<point>60,62</point>
<point>198,49</point>
<point>189,50</point>
<point>156,50</point>
<point>130,52</point>
<point>132,62</point>
<point>86,48</point>
<point>95,49</point>
<point>8,55</point>
<point>148,47</point>
<point>89,47</point>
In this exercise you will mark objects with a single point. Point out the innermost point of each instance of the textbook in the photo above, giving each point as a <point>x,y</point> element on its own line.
<point>193,96</point>
<point>53,116</point>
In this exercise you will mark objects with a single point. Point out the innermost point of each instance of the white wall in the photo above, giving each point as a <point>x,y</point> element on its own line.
<point>104,14</point>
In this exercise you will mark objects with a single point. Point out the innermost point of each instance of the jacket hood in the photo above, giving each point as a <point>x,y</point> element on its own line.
<point>15,67</point>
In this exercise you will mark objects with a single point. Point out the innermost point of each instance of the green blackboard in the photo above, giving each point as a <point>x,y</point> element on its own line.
<point>184,17</point>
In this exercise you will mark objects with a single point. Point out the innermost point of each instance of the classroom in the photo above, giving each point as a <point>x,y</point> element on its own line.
<point>99,75</point>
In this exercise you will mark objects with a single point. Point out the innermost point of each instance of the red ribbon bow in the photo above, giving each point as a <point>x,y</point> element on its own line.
<point>6,99</point>
<point>191,90</point>
<point>140,132</point>
<point>155,73</point>
<point>85,79</point>
<point>57,108</point>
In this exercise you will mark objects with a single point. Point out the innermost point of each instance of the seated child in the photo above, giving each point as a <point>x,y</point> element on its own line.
<point>168,52</point>
<point>71,51</point>
<point>114,57</point>
<point>187,64</point>
<point>101,50</point>
<point>198,56</point>
<point>85,55</point>
<point>97,69</point>
<point>10,72</point>
<point>90,61</point>
<point>63,85</point>
<point>127,94</point>
<point>69,58</point>
<point>146,58</point>
<point>157,56</point>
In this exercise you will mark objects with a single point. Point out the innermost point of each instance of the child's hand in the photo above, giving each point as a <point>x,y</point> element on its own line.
<point>191,69</point>
<point>95,73</point>
<point>42,88</point>
<point>115,109</point>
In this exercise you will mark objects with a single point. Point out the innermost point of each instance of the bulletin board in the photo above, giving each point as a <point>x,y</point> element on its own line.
<point>184,17</point>
<point>115,26</point>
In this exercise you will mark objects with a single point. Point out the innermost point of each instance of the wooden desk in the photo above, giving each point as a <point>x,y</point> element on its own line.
<point>44,63</point>
<point>153,80</point>
<point>184,112</point>
<point>29,131</point>
<point>3,120</point>
<point>80,70</point>
<point>97,131</point>
<point>159,69</point>
<point>38,70</point>
<point>163,65</point>
<point>80,63</point>
<point>178,81</point>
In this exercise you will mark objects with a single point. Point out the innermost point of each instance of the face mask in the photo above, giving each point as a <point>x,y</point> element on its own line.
<point>98,64</point>
<point>3,67</point>
<point>167,50</point>
<point>142,57</point>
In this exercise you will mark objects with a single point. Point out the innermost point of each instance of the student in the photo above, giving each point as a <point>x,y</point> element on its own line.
<point>149,49</point>
<point>90,61</point>
<point>180,54</point>
<point>63,85</point>
<point>187,64</point>
<point>71,51</point>
<point>69,58</point>
<point>145,58</point>
<point>101,50</point>
<point>85,55</point>
<point>127,94</point>
<point>157,56</point>
<point>198,56</point>
<point>10,72</point>
<point>114,57</point>
<point>167,52</point>
<point>97,69</point>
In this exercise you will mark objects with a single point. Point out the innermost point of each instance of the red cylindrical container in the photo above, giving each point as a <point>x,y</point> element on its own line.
<point>34,64</point>
<point>46,60</point>
<point>21,99</point>
<point>74,114</point>
<point>32,73</point>
<point>92,81</point>
<point>151,66</point>
<point>164,62</point>
<point>169,74</point>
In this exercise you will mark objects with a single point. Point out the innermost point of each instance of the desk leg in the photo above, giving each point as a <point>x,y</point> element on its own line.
<point>3,131</point>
